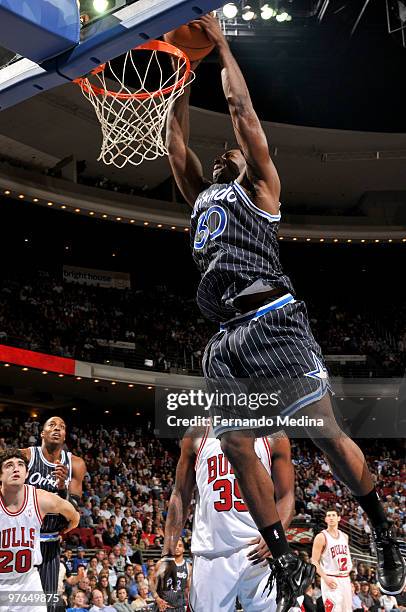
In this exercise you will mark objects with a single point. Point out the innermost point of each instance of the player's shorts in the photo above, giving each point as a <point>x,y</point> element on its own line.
<point>27,590</point>
<point>270,350</point>
<point>216,584</point>
<point>339,599</point>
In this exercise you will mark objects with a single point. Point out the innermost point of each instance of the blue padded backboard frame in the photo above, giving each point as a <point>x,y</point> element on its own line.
<point>39,30</point>
<point>107,38</point>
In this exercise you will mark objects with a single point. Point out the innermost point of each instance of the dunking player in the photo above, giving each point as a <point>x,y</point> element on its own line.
<point>173,591</point>
<point>22,508</point>
<point>265,332</point>
<point>331,556</point>
<point>223,529</point>
<point>53,469</point>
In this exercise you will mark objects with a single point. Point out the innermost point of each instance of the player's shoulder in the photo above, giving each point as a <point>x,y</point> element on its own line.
<point>194,438</point>
<point>78,463</point>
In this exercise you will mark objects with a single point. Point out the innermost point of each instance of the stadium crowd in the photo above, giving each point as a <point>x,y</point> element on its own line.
<point>111,557</point>
<point>157,328</point>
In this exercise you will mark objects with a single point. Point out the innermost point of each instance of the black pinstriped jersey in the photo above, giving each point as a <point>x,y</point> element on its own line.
<point>236,249</point>
<point>40,476</point>
<point>175,594</point>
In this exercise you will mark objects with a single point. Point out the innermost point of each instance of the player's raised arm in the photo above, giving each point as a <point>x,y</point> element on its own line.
<point>49,503</point>
<point>250,136</point>
<point>185,165</point>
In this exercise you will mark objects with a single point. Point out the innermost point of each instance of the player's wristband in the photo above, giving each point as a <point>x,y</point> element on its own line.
<point>63,493</point>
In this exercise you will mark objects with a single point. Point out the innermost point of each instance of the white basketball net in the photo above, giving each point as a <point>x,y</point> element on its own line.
<point>132,119</point>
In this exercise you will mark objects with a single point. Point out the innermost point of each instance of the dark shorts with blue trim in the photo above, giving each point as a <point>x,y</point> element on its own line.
<point>272,352</point>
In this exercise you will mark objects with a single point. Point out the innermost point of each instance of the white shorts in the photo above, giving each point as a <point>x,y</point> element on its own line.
<point>339,599</point>
<point>29,588</point>
<point>216,583</point>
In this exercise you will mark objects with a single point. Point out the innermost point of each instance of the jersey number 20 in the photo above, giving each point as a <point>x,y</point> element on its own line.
<point>22,561</point>
<point>204,232</point>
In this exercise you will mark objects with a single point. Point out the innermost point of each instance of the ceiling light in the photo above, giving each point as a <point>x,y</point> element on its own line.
<point>247,13</point>
<point>230,10</point>
<point>321,239</point>
<point>35,200</point>
<point>104,216</point>
<point>6,365</point>
<point>100,5</point>
<point>159,225</point>
<point>267,12</point>
<point>74,409</point>
<point>21,196</point>
<point>107,412</point>
<point>118,218</point>
<point>7,192</point>
<point>25,369</point>
<point>91,213</point>
<point>284,16</point>
<point>130,386</point>
<point>335,240</point>
<point>294,238</point>
<point>377,240</point>
<point>50,203</point>
<point>63,206</point>
<point>132,220</point>
<point>45,372</point>
<point>96,380</point>
<point>60,375</point>
<point>363,240</point>
<point>78,378</point>
<point>77,209</point>
<point>146,223</point>
<point>173,227</point>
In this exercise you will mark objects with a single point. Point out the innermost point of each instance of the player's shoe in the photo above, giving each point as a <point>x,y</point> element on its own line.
<point>391,567</point>
<point>292,576</point>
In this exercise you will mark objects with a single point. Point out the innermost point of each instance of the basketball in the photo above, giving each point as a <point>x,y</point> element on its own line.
<point>191,39</point>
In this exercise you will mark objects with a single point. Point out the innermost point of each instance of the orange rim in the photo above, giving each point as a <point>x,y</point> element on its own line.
<point>152,45</point>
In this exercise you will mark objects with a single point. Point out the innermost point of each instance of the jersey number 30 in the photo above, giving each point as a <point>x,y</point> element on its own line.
<point>211,224</point>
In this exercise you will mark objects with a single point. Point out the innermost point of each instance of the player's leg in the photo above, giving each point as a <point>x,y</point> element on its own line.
<point>28,586</point>
<point>252,591</point>
<point>214,584</point>
<point>348,463</point>
<point>223,367</point>
<point>49,571</point>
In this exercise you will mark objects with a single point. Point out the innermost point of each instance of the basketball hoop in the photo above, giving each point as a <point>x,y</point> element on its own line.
<point>132,118</point>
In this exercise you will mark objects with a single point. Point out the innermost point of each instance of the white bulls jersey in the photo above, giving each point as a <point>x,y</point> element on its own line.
<point>19,537</point>
<point>336,559</point>
<point>222,523</point>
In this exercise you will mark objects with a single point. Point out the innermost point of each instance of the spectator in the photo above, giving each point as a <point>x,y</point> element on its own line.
<point>376,595</point>
<point>388,602</point>
<point>365,595</point>
<point>79,559</point>
<point>356,602</point>
<point>143,599</point>
<point>122,604</point>
<point>78,602</point>
<point>105,588</point>
<point>98,603</point>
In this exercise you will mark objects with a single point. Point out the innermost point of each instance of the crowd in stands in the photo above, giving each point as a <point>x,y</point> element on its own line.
<point>125,499</point>
<point>160,329</point>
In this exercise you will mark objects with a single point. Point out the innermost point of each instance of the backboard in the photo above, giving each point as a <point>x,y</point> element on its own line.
<point>127,24</point>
